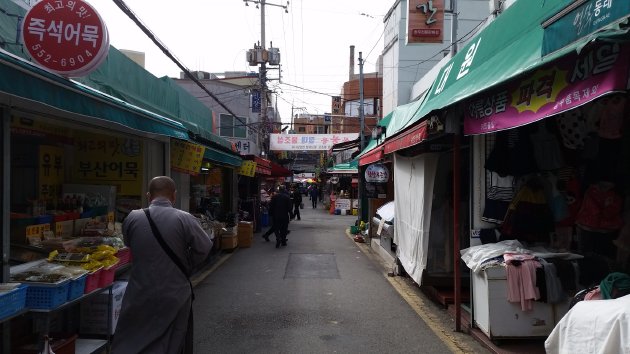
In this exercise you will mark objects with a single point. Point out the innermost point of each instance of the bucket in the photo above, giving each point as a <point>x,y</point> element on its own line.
<point>264,219</point>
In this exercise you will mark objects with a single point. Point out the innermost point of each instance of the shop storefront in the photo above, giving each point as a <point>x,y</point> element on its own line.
<point>342,193</point>
<point>548,163</point>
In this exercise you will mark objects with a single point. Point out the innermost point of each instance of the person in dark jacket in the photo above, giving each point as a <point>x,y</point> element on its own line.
<point>296,198</point>
<point>280,209</point>
<point>314,193</point>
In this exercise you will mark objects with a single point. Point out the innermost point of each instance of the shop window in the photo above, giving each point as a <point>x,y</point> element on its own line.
<point>233,127</point>
<point>302,130</point>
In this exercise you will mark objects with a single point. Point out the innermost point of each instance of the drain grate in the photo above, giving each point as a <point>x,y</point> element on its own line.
<point>312,265</point>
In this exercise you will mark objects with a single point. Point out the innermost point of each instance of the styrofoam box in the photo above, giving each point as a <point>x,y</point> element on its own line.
<point>94,310</point>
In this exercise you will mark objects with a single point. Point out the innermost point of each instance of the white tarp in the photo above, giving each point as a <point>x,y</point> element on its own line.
<point>413,196</point>
<point>595,326</point>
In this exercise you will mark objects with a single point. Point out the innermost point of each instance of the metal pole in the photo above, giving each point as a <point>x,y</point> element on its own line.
<point>361,136</point>
<point>456,184</point>
<point>263,81</point>
<point>5,205</point>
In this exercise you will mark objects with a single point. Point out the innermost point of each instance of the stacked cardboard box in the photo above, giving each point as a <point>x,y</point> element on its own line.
<point>245,233</point>
<point>229,239</point>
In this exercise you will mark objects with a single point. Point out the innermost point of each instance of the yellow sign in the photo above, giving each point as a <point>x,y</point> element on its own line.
<point>31,127</point>
<point>37,230</point>
<point>111,217</point>
<point>248,168</point>
<point>186,157</point>
<point>109,160</point>
<point>51,172</point>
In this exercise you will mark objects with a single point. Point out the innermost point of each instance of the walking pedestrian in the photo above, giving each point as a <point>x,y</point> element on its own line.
<point>314,193</point>
<point>167,244</point>
<point>296,198</point>
<point>280,209</point>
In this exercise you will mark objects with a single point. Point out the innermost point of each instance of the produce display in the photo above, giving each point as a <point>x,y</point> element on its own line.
<point>90,258</point>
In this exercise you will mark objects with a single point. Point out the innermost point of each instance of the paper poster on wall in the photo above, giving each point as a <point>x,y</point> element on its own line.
<point>51,172</point>
<point>248,168</point>
<point>342,204</point>
<point>109,160</point>
<point>186,157</point>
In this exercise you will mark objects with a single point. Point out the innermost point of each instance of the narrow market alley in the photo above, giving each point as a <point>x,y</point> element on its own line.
<point>320,294</point>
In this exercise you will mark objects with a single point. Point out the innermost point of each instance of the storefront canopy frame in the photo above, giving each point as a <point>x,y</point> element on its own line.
<point>373,152</point>
<point>24,80</point>
<point>508,47</point>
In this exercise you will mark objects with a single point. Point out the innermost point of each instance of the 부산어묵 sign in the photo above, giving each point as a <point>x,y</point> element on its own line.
<point>304,142</point>
<point>554,88</point>
<point>109,160</point>
<point>186,157</point>
<point>65,36</point>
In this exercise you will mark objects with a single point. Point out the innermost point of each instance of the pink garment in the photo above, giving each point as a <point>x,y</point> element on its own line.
<point>594,294</point>
<point>521,279</point>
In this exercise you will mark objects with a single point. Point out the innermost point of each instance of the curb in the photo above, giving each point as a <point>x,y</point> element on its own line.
<point>203,274</point>
<point>416,301</point>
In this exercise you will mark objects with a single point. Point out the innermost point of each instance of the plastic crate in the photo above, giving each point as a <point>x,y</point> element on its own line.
<point>77,287</point>
<point>46,297</point>
<point>91,281</point>
<point>124,256</point>
<point>107,276</point>
<point>13,301</point>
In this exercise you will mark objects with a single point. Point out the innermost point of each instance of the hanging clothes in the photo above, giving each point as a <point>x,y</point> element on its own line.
<point>521,279</point>
<point>601,209</point>
<point>546,149</point>
<point>529,217</point>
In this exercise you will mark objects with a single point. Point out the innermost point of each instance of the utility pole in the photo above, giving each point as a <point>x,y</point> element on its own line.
<point>361,137</point>
<point>260,55</point>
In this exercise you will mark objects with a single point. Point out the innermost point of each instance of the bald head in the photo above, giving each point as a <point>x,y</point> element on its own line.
<point>162,186</point>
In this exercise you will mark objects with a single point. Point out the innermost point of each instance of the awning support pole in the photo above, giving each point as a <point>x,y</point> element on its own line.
<point>456,204</point>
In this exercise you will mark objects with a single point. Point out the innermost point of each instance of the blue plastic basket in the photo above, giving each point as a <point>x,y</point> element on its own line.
<point>13,301</point>
<point>76,288</point>
<point>46,297</point>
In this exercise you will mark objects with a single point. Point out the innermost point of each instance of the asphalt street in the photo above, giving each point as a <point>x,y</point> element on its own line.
<point>320,294</point>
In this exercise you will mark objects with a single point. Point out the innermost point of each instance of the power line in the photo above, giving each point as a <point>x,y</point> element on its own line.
<point>125,9</point>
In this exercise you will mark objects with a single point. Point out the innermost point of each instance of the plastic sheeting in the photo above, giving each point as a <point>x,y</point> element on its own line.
<point>597,326</point>
<point>413,197</point>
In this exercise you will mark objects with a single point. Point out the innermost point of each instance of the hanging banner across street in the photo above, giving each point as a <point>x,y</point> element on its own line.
<point>303,142</point>
<point>554,88</point>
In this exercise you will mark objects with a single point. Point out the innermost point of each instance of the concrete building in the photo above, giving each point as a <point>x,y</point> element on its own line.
<point>236,90</point>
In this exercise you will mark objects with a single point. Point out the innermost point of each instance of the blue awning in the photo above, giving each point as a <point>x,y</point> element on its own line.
<point>221,157</point>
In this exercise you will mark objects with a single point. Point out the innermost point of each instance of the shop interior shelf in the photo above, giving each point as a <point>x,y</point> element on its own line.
<point>89,346</point>
<point>17,314</point>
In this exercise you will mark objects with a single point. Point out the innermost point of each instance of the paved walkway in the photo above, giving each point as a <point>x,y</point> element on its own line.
<point>320,294</point>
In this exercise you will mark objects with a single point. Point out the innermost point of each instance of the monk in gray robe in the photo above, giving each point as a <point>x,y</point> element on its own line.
<point>156,308</point>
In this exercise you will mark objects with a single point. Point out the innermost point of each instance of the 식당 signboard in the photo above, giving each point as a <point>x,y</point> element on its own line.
<point>554,88</point>
<point>65,36</point>
<point>376,173</point>
<point>305,142</point>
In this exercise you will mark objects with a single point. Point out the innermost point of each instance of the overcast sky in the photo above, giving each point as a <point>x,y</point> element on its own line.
<point>213,35</point>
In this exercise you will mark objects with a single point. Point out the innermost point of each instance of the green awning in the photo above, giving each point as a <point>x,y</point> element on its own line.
<point>351,167</point>
<point>26,81</point>
<point>222,157</point>
<point>508,47</point>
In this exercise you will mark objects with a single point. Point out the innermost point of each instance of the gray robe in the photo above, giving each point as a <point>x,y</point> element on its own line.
<point>156,305</point>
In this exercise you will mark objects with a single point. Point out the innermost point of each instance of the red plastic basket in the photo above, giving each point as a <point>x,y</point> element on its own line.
<point>124,256</point>
<point>92,282</point>
<point>107,276</point>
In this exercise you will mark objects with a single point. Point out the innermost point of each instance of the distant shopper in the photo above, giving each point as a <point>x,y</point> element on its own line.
<point>314,193</point>
<point>296,198</point>
<point>167,243</point>
<point>280,209</point>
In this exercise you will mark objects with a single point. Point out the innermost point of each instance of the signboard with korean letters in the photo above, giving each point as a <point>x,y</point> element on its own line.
<point>244,146</point>
<point>305,142</point>
<point>425,21</point>
<point>557,87</point>
<point>65,36</point>
<point>109,160</point>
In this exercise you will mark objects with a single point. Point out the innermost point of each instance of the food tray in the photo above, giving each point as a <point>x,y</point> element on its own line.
<point>77,287</point>
<point>13,301</point>
<point>46,297</point>
<point>92,281</point>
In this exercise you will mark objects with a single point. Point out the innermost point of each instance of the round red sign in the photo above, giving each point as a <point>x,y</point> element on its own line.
<point>65,36</point>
